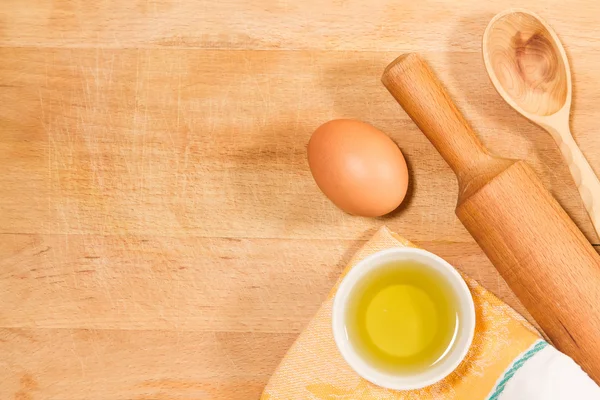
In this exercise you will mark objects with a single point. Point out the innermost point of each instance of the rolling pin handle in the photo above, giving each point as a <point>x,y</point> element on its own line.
<point>414,85</point>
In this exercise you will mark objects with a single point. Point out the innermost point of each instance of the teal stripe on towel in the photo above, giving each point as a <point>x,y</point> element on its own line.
<point>515,367</point>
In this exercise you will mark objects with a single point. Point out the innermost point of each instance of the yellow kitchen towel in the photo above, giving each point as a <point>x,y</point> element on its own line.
<point>314,369</point>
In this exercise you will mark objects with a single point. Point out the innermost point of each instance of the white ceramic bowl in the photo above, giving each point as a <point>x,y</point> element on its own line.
<point>460,345</point>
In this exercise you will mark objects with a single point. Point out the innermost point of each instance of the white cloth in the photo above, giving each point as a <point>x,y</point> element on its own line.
<point>550,375</point>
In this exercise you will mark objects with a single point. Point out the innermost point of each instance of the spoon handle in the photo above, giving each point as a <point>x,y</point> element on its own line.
<point>586,180</point>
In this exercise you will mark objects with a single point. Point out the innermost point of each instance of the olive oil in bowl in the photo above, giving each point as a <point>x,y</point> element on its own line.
<point>402,317</point>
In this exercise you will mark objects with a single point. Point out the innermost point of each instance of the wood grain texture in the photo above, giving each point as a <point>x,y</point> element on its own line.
<point>529,67</point>
<point>544,258</point>
<point>420,93</point>
<point>529,238</point>
<point>160,234</point>
<point>527,62</point>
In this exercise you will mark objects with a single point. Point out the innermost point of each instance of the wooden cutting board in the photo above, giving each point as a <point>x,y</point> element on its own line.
<point>160,233</point>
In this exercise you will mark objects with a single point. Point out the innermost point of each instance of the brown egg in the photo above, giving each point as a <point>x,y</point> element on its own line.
<point>358,167</point>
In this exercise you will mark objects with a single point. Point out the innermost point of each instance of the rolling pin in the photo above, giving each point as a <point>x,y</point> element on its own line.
<point>530,239</point>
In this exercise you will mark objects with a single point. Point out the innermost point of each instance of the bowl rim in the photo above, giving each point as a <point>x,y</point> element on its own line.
<point>424,378</point>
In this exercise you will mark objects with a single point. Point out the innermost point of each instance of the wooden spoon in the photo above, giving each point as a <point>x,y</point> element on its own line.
<point>530,70</point>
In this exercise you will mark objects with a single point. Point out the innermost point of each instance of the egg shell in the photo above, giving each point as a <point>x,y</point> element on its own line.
<point>358,167</point>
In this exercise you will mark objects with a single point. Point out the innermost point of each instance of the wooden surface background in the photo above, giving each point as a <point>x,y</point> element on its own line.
<point>160,233</point>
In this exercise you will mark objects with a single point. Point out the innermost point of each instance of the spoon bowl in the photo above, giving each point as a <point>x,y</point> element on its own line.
<point>529,68</point>
<point>527,63</point>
